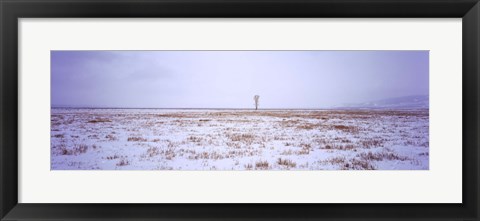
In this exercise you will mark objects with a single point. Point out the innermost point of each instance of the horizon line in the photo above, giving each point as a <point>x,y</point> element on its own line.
<point>193,108</point>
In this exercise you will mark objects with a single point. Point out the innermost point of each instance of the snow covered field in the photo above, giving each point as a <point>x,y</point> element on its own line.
<point>166,139</point>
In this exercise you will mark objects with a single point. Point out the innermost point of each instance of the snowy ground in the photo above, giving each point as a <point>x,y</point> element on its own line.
<point>156,139</point>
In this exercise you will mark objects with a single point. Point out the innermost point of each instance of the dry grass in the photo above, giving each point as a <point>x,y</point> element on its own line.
<point>247,138</point>
<point>342,140</point>
<point>207,155</point>
<point>344,128</point>
<point>58,136</point>
<point>177,115</point>
<point>357,164</point>
<point>308,126</point>
<point>234,145</point>
<point>286,152</point>
<point>137,139</point>
<point>123,162</point>
<point>115,156</point>
<point>416,143</point>
<point>337,160</point>
<point>100,120</point>
<point>380,156</point>
<point>76,150</point>
<point>286,162</point>
<point>339,146</point>
<point>195,139</point>
<point>351,164</point>
<point>261,165</point>
<point>354,139</point>
<point>153,151</point>
<point>372,143</point>
<point>111,137</point>
<point>306,148</point>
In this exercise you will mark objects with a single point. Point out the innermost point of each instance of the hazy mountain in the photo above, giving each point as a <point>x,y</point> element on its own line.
<point>407,102</point>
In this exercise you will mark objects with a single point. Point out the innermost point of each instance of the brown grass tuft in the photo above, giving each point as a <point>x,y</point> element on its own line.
<point>77,149</point>
<point>356,164</point>
<point>111,137</point>
<point>123,162</point>
<point>248,166</point>
<point>99,120</point>
<point>286,162</point>
<point>381,156</point>
<point>139,139</point>
<point>261,165</point>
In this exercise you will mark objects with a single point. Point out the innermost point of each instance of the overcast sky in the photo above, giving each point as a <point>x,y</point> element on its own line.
<point>230,79</point>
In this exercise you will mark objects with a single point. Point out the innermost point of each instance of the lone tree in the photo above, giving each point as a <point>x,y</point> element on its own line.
<point>255,98</point>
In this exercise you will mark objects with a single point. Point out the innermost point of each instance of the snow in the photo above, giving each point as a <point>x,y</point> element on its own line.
<point>205,139</point>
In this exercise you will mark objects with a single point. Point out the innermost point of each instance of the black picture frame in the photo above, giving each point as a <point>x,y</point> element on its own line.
<point>12,10</point>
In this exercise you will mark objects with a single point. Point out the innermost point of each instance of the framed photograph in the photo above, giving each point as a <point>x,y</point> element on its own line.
<point>160,114</point>
<point>231,110</point>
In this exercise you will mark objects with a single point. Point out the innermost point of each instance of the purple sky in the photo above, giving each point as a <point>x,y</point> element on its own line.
<point>230,79</point>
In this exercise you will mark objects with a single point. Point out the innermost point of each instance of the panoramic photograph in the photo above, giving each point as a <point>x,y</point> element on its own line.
<point>239,110</point>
